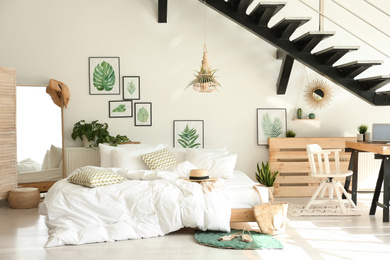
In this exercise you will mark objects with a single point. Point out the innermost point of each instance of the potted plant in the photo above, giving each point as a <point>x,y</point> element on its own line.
<point>362,129</point>
<point>94,133</point>
<point>290,133</point>
<point>265,176</point>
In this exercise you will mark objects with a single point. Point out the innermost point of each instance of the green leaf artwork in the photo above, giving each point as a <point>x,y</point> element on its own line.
<point>271,129</point>
<point>131,87</point>
<point>104,76</point>
<point>188,138</point>
<point>120,108</point>
<point>142,115</point>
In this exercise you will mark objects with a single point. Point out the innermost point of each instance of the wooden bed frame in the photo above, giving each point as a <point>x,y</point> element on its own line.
<point>42,186</point>
<point>242,215</point>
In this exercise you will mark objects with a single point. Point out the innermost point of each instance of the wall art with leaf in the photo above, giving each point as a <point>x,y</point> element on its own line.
<point>131,87</point>
<point>143,114</point>
<point>120,108</point>
<point>271,122</point>
<point>104,76</point>
<point>188,133</point>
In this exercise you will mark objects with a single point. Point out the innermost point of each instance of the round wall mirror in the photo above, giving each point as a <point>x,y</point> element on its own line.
<point>318,94</point>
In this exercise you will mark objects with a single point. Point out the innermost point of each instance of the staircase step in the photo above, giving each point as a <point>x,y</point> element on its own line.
<point>240,5</point>
<point>332,54</point>
<point>374,83</point>
<point>286,27</point>
<point>352,69</point>
<point>264,11</point>
<point>309,40</point>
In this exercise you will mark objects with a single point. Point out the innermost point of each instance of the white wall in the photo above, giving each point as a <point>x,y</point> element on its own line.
<point>46,39</point>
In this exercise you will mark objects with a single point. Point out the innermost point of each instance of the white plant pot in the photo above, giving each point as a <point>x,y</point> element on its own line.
<point>367,137</point>
<point>360,137</point>
<point>86,142</point>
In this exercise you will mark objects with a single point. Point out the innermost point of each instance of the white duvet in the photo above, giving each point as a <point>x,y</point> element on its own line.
<point>148,204</point>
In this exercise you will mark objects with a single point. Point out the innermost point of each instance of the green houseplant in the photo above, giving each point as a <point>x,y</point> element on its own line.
<point>290,133</point>
<point>362,129</point>
<point>265,176</point>
<point>95,133</point>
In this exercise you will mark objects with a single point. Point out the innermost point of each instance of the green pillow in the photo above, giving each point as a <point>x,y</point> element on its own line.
<point>159,159</point>
<point>95,178</point>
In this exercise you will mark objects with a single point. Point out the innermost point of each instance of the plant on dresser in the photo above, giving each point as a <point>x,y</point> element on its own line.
<point>94,133</point>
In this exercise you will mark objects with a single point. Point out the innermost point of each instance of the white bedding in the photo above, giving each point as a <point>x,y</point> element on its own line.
<point>54,174</point>
<point>242,193</point>
<point>152,204</point>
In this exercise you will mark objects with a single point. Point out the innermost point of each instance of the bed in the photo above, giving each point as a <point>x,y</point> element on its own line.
<point>148,201</point>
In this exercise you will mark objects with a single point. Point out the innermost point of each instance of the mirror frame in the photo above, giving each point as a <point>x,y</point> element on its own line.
<point>310,98</point>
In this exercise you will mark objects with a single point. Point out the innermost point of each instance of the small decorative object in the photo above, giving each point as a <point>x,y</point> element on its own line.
<point>318,94</point>
<point>94,133</point>
<point>104,76</point>
<point>362,129</point>
<point>271,122</point>
<point>143,114</point>
<point>205,80</point>
<point>299,113</point>
<point>312,116</point>
<point>265,176</point>
<point>188,133</point>
<point>131,87</point>
<point>290,133</point>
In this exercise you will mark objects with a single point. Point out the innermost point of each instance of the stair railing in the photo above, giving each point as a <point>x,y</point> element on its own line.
<point>321,13</point>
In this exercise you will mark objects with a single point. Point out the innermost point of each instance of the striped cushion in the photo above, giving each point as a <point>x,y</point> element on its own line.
<point>95,178</point>
<point>159,159</point>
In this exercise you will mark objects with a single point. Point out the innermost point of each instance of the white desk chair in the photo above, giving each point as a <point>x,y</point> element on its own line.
<point>320,168</point>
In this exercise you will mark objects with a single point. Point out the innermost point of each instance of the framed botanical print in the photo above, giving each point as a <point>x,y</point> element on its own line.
<point>143,114</point>
<point>131,87</point>
<point>271,122</point>
<point>188,133</point>
<point>104,76</point>
<point>120,108</point>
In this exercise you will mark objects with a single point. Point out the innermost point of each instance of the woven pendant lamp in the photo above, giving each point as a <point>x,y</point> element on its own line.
<point>205,80</point>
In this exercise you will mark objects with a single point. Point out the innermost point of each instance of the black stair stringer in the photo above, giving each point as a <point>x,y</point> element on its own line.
<point>306,58</point>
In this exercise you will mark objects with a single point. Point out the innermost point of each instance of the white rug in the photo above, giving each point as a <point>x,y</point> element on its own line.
<point>297,210</point>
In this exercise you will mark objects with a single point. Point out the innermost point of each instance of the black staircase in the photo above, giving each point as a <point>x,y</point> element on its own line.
<point>300,49</point>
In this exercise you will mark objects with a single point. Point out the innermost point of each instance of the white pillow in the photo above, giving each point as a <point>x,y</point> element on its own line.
<point>218,164</point>
<point>106,149</point>
<point>55,157</point>
<point>131,159</point>
<point>46,159</point>
<point>178,153</point>
<point>28,165</point>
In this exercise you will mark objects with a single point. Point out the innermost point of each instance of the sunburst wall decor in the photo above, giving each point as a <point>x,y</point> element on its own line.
<point>318,94</point>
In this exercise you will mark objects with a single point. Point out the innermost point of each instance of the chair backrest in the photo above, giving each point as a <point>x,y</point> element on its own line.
<point>319,159</point>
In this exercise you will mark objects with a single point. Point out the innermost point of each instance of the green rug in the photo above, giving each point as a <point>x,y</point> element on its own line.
<point>260,241</point>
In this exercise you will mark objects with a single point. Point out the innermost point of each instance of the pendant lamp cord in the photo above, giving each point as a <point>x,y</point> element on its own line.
<point>204,31</point>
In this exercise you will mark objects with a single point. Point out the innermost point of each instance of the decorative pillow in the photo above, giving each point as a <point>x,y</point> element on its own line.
<point>159,160</point>
<point>131,159</point>
<point>95,178</point>
<point>218,164</point>
<point>106,149</point>
<point>55,156</point>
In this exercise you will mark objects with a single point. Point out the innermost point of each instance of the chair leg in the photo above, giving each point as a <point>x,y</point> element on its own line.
<point>315,195</point>
<point>338,195</point>
<point>347,196</point>
<point>322,194</point>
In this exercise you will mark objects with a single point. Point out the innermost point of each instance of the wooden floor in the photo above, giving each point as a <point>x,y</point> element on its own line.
<point>23,233</point>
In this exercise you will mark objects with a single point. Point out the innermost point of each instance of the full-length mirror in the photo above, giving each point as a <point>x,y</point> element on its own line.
<point>39,136</point>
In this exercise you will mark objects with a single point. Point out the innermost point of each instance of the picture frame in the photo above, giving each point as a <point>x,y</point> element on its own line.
<point>131,87</point>
<point>271,122</point>
<point>120,108</point>
<point>188,133</point>
<point>143,114</point>
<point>104,76</point>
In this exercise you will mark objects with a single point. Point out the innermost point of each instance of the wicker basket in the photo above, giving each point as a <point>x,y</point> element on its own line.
<point>24,198</point>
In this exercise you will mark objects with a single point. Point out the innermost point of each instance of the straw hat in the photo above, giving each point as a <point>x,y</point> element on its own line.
<point>199,175</point>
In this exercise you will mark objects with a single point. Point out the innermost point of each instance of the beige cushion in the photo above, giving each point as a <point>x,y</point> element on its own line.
<point>95,178</point>
<point>159,159</point>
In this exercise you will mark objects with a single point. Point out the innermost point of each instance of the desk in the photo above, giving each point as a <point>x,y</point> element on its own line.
<point>381,151</point>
